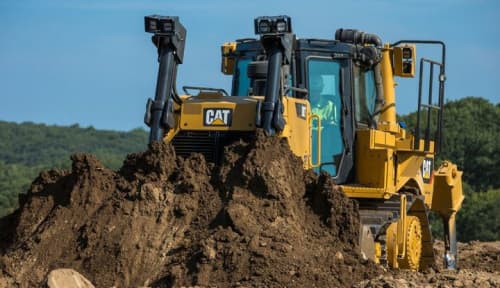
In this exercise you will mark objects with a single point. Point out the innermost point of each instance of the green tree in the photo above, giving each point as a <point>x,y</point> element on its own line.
<point>479,218</point>
<point>28,148</point>
<point>470,139</point>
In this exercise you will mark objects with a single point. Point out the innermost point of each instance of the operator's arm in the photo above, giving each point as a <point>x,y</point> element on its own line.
<point>331,114</point>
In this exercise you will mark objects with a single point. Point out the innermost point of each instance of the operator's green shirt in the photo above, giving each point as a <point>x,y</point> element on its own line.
<point>326,112</point>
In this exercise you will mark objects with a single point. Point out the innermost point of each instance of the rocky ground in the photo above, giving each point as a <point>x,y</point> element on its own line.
<point>257,219</point>
<point>479,267</point>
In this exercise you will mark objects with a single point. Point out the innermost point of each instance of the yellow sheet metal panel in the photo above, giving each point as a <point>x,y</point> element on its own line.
<point>225,113</point>
<point>405,144</point>
<point>171,133</point>
<point>372,168</point>
<point>381,139</point>
<point>296,114</point>
<point>354,191</point>
<point>448,195</point>
<point>375,159</point>
<point>408,170</point>
<point>427,175</point>
<point>408,144</point>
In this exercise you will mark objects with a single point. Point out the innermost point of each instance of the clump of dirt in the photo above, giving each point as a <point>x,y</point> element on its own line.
<point>475,255</point>
<point>277,225</point>
<point>478,267</point>
<point>258,219</point>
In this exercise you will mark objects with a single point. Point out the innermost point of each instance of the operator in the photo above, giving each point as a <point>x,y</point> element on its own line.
<point>322,104</point>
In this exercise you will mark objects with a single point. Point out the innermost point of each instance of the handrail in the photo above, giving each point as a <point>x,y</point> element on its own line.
<point>318,160</point>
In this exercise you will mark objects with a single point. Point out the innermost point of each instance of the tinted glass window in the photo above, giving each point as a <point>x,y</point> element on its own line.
<point>243,85</point>
<point>326,102</point>
<point>365,94</point>
<point>243,82</point>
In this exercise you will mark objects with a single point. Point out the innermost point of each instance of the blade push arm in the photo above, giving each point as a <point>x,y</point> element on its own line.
<point>169,38</point>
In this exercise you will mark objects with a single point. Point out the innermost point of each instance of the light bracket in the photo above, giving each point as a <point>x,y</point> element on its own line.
<point>168,31</point>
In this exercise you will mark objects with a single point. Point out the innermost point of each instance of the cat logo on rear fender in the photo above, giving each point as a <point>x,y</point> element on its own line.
<point>427,166</point>
<point>217,117</point>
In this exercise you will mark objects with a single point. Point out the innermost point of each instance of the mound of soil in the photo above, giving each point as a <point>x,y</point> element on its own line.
<point>258,219</point>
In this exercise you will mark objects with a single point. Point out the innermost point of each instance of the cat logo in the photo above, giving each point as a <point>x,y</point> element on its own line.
<point>427,167</point>
<point>217,117</point>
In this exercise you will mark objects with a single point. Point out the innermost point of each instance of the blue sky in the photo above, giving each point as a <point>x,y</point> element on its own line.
<point>90,62</point>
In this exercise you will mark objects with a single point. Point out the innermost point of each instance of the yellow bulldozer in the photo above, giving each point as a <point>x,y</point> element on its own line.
<point>333,100</point>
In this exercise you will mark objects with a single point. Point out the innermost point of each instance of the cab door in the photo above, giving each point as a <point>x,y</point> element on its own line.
<point>324,76</point>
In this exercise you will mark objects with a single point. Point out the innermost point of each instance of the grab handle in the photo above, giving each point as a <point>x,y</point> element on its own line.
<point>312,118</point>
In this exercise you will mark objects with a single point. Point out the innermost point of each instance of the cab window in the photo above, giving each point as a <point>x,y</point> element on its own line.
<point>326,102</point>
<point>241,81</point>
<point>365,94</point>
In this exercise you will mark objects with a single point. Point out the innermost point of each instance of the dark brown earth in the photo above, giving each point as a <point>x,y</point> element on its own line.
<point>256,220</point>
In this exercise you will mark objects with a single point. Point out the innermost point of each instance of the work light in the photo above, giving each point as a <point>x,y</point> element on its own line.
<point>162,25</point>
<point>273,24</point>
<point>281,26</point>
<point>407,53</point>
<point>264,26</point>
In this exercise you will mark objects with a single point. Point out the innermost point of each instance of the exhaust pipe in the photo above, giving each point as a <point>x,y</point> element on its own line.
<point>357,37</point>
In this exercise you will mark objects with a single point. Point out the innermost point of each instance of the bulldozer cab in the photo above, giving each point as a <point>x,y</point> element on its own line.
<point>325,73</point>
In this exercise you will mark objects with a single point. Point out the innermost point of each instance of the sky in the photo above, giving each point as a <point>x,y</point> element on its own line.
<point>89,62</point>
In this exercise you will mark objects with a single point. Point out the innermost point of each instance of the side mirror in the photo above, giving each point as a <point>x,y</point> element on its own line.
<point>228,58</point>
<point>404,61</point>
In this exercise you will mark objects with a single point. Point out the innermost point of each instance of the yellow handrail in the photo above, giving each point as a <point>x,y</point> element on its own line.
<point>316,117</point>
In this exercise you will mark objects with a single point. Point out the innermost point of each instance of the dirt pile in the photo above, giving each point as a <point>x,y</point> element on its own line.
<point>257,219</point>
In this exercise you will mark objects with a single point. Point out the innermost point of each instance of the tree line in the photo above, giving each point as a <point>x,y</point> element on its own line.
<point>28,148</point>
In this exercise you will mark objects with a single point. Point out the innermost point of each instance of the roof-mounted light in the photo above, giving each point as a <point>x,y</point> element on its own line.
<point>273,24</point>
<point>264,26</point>
<point>161,25</point>
<point>281,26</point>
<point>167,30</point>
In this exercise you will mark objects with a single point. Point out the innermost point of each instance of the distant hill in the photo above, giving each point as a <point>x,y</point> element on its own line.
<point>28,148</point>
